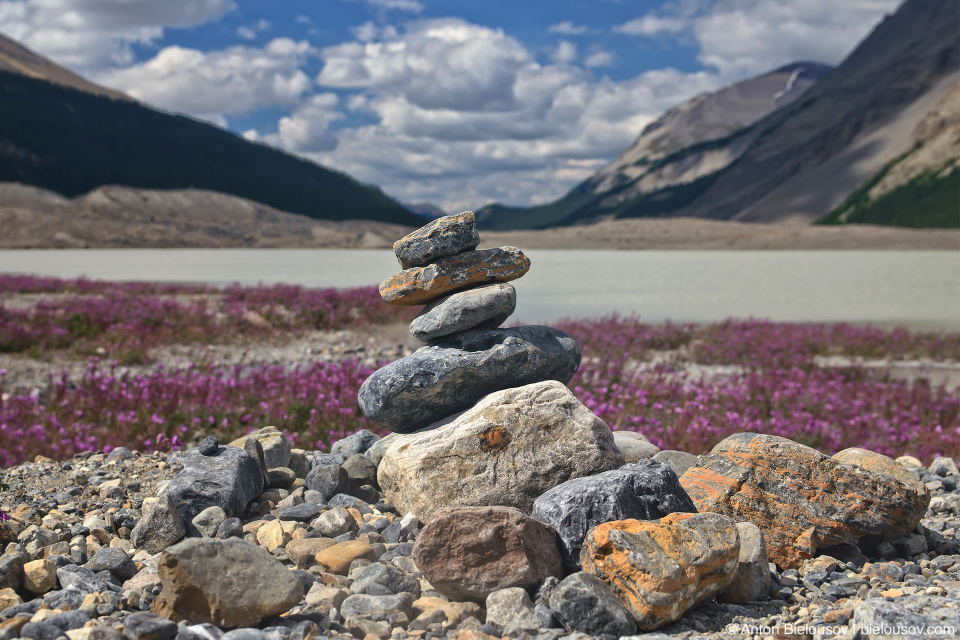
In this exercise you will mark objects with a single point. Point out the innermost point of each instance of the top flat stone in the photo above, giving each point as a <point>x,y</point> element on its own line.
<point>446,236</point>
<point>421,285</point>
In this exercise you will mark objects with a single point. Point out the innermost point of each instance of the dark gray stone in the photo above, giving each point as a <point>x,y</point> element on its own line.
<point>68,620</point>
<point>583,603</point>
<point>679,461</point>
<point>485,306</point>
<point>453,373</point>
<point>160,527</point>
<point>387,576</point>
<point>229,479</point>
<point>64,599</point>
<point>120,453</point>
<point>11,572</point>
<point>326,478</point>
<point>359,442</point>
<point>83,580</point>
<point>347,501</point>
<point>644,490</point>
<point>40,631</point>
<point>114,560</point>
<point>446,236</point>
<point>230,528</point>
<point>208,446</point>
<point>299,512</point>
<point>360,471</point>
<point>144,625</point>
<point>378,448</point>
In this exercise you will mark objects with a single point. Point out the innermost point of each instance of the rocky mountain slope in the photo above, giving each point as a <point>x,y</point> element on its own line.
<point>803,160</point>
<point>63,134</point>
<point>114,216</point>
<point>688,143</point>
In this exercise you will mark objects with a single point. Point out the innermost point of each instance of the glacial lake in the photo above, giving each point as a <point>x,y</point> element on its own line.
<point>920,289</point>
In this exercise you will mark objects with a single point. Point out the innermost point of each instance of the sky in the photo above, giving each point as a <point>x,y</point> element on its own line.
<point>455,102</point>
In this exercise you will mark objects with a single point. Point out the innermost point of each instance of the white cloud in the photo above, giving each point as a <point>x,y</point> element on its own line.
<point>567,28</point>
<point>464,115</point>
<point>215,84</point>
<point>250,32</point>
<point>303,20</point>
<point>93,34</point>
<point>409,6</point>
<point>599,58</point>
<point>746,37</point>
<point>564,53</point>
<point>306,130</point>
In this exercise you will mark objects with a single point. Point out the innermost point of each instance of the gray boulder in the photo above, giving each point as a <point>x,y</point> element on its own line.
<point>276,446</point>
<point>485,306</point>
<point>453,373</point>
<point>644,490</point>
<point>679,461</point>
<point>229,478</point>
<point>160,527</point>
<point>507,450</point>
<point>752,579</point>
<point>583,603</point>
<point>512,611</point>
<point>634,446</point>
<point>353,444</point>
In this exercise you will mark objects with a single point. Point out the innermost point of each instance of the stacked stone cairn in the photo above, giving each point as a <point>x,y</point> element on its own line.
<point>499,507</point>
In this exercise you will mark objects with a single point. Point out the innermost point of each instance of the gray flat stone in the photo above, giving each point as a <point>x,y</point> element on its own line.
<point>584,603</point>
<point>443,237</point>
<point>486,306</point>
<point>679,461</point>
<point>451,374</point>
<point>644,490</point>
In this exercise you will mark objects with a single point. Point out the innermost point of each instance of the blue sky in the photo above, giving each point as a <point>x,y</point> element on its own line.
<point>455,102</point>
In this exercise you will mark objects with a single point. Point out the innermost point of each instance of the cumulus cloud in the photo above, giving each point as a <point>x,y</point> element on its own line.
<point>564,53</point>
<point>599,58</point>
<point>93,34</point>
<point>746,37</point>
<point>250,32</point>
<point>307,128</point>
<point>215,84</point>
<point>567,28</point>
<point>464,115</point>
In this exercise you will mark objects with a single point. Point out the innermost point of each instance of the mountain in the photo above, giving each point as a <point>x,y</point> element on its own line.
<point>426,210</point>
<point>681,148</point>
<point>864,125</point>
<point>16,58</point>
<point>66,136</point>
<point>114,216</point>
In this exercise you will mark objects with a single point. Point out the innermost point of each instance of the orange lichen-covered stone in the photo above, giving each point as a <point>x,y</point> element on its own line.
<point>420,285</point>
<point>659,569</point>
<point>801,499</point>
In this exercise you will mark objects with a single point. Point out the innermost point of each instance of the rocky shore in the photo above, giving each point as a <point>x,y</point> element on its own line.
<point>500,506</point>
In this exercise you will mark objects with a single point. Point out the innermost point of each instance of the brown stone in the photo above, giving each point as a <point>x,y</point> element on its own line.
<point>228,583</point>
<point>420,285</point>
<point>446,236</point>
<point>801,499</point>
<point>325,598</point>
<point>276,534</point>
<point>298,549</point>
<point>9,598</point>
<point>660,569</point>
<point>39,576</point>
<point>337,559</point>
<point>467,553</point>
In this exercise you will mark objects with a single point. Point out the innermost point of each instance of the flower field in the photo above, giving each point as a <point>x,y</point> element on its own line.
<point>683,386</point>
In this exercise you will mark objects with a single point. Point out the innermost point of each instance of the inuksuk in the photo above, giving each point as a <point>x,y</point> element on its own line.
<point>494,422</point>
